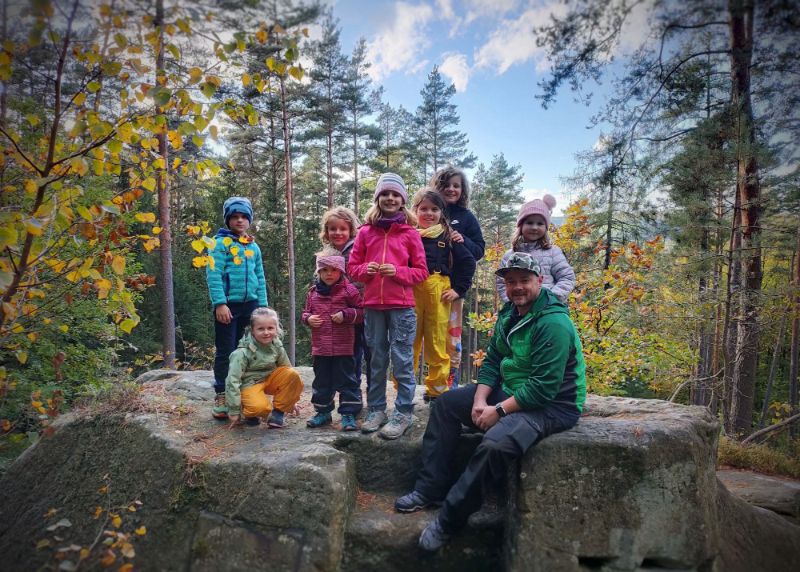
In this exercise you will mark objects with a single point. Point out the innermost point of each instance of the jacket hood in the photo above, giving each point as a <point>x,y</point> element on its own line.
<point>225,231</point>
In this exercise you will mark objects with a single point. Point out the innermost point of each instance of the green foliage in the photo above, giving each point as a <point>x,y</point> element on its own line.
<point>761,458</point>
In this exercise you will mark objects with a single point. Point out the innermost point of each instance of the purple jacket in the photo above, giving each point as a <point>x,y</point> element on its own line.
<point>332,339</point>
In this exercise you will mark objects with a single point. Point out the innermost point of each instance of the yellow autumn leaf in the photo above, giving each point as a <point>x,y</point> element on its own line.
<point>116,520</point>
<point>79,165</point>
<point>126,567</point>
<point>198,245</point>
<point>22,356</point>
<point>118,264</point>
<point>84,554</point>
<point>108,558</point>
<point>149,184</point>
<point>127,325</point>
<point>141,531</point>
<point>98,510</point>
<point>34,226</point>
<point>145,217</point>
<point>156,230</point>
<point>199,261</point>
<point>31,186</point>
<point>246,79</point>
<point>64,328</point>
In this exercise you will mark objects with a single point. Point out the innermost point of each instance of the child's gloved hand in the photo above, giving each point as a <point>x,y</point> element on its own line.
<point>337,318</point>
<point>314,320</point>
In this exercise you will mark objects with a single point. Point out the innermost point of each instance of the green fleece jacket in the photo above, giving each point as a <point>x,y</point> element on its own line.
<point>538,358</point>
<point>250,363</point>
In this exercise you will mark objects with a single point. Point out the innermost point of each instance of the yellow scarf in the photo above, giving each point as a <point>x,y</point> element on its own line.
<point>431,231</point>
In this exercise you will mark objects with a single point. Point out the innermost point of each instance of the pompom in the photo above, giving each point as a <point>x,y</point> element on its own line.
<point>550,201</point>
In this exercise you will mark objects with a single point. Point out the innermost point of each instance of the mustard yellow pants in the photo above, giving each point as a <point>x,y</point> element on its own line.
<point>432,318</point>
<point>283,384</point>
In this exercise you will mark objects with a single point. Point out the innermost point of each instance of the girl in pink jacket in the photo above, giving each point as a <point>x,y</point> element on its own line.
<point>389,259</point>
<point>333,307</point>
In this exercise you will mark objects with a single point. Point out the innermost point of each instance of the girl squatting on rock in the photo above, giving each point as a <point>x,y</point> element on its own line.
<point>389,259</point>
<point>333,307</point>
<point>236,285</point>
<point>453,185</point>
<point>339,228</point>
<point>531,236</point>
<point>450,271</point>
<point>260,368</point>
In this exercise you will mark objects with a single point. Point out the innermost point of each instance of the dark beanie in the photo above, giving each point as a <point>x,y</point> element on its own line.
<point>237,205</point>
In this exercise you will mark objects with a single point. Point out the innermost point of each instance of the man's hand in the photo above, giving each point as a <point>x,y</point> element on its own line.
<point>337,318</point>
<point>235,420</point>
<point>314,321</point>
<point>487,418</point>
<point>477,409</point>
<point>223,314</point>
<point>387,270</point>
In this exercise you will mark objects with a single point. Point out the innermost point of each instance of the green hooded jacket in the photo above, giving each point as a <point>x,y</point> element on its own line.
<point>251,363</point>
<point>538,359</point>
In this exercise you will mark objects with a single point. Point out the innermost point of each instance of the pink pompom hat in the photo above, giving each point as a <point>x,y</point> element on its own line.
<point>543,207</point>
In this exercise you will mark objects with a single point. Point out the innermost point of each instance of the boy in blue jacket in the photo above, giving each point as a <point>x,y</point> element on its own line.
<point>236,285</point>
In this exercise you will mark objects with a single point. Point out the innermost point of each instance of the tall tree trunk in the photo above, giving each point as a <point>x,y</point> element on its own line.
<point>287,160</point>
<point>329,167</point>
<point>165,237</point>
<point>773,368</point>
<point>729,323</point>
<point>355,163</point>
<point>794,354</point>
<point>748,188</point>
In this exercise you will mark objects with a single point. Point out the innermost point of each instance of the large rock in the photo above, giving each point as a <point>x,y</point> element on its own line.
<point>632,487</point>
<point>778,494</point>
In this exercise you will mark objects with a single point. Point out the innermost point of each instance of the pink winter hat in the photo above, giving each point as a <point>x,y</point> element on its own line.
<point>543,206</point>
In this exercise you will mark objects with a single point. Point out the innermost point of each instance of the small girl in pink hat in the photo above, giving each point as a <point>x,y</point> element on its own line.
<point>531,236</point>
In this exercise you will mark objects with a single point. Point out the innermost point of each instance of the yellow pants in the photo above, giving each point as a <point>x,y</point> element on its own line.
<point>432,318</point>
<point>283,384</point>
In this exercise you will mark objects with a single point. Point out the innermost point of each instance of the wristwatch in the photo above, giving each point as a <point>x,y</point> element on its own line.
<point>500,411</point>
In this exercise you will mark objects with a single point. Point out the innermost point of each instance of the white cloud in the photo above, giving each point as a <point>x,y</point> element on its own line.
<point>445,8</point>
<point>398,46</point>
<point>478,9</point>
<point>513,42</point>
<point>455,67</point>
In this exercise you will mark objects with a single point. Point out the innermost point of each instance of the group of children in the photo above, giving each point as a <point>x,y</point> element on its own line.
<point>387,291</point>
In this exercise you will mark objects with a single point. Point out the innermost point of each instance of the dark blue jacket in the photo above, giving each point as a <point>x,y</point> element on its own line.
<point>463,221</point>
<point>450,259</point>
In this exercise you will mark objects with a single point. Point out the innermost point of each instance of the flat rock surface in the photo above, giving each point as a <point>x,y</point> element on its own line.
<point>778,494</point>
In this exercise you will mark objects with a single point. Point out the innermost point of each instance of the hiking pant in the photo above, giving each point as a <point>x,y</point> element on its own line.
<point>390,333</point>
<point>283,384</point>
<point>432,317</point>
<point>332,374</point>
<point>226,338</point>
<point>361,353</point>
<point>501,446</point>
<point>454,341</point>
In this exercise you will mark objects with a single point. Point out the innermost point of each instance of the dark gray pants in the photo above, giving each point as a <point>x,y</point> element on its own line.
<point>501,446</point>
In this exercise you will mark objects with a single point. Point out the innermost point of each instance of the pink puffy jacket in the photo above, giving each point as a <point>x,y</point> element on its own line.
<point>332,339</point>
<point>400,245</point>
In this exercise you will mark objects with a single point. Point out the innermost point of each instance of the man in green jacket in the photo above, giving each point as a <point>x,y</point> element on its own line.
<point>531,384</point>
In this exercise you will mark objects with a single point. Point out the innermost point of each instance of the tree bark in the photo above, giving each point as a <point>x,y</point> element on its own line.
<point>773,368</point>
<point>287,161</point>
<point>748,188</point>
<point>794,354</point>
<point>165,237</point>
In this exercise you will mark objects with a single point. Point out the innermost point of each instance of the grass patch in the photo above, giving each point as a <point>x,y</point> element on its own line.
<point>760,458</point>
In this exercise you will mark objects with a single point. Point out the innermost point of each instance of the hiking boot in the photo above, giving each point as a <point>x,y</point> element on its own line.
<point>433,537</point>
<point>319,420</point>
<point>349,423</point>
<point>413,501</point>
<point>397,426</point>
<point>375,420</point>
<point>220,410</point>
<point>276,420</point>
<point>252,421</point>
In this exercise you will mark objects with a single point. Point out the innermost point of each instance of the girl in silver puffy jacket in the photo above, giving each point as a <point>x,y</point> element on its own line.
<point>533,222</point>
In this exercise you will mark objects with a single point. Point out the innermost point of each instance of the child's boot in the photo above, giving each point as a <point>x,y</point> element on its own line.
<point>276,420</point>
<point>220,410</point>
<point>319,420</point>
<point>349,422</point>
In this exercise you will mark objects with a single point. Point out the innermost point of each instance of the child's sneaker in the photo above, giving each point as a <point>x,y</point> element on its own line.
<point>220,410</point>
<point>349,423</point>
<point>397,426</point>
<point>276,420</point>
<point>374,421</point>
<point>252,421</point>
<point>319,420</point>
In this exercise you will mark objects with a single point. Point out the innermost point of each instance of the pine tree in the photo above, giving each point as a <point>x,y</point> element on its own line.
<point>436,123</point>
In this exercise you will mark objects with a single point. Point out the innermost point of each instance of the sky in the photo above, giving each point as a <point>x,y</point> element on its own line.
<point>486,48</point>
